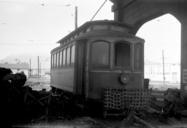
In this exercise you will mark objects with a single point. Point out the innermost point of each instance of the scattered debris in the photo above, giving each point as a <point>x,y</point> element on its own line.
<point>23,103</point>
<point>132,118</point>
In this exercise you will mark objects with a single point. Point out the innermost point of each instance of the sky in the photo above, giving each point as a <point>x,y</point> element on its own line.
<point>162,38</point>
<point>34,27</point>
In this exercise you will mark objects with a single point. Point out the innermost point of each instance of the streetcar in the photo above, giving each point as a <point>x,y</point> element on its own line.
<point>98,55</point>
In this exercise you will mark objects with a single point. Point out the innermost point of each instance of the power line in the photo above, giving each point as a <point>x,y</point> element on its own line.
<point>36,3</point>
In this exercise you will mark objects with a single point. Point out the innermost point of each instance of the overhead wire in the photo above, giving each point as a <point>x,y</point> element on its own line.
<point>35,3</point>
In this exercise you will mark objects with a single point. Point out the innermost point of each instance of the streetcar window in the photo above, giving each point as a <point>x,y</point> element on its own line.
<point>51,60</point>
<point>64,57</point>
<point>60,59</point>
<point>72,54</point>
<point>122,55</point>
<point>68,55</point>
<point>100,54</point>
<point>57,59</point>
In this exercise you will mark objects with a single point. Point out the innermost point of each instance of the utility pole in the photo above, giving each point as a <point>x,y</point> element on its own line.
<point>76,17</point>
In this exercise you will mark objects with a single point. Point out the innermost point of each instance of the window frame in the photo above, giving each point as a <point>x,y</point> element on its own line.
<point>68,55</point>
<point>57,59</point>
<point>51,60</point>
<point>96,66</point>
<point>60,58</point>
<point>138,58</point>
<point>130,55</point>
<point>72,61</point>
<point>64,57</point>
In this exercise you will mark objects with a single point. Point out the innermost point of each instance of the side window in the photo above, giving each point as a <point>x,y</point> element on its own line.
<point>100,54</point>
<point>60,59</point>
<point>72,54</point>
<point>64,57</point>
<point>55,60</point>
<point>51,60</point>
<point>138,57</point>
<point>68,56</point>
<point>122,55</point>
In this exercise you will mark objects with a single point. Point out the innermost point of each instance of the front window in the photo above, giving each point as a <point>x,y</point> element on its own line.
<point>100,54</point>
<point>122,55</point>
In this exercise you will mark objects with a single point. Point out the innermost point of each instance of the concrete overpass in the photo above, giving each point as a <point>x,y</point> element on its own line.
<point>138,12</point>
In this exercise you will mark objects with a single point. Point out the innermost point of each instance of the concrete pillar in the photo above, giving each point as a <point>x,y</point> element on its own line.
<point>184,54</point>
<point>118,10</point>
<point>138,12</point>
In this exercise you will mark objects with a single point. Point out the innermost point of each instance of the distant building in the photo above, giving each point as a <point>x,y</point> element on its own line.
<point>154,71</point>
<point>171,72</point>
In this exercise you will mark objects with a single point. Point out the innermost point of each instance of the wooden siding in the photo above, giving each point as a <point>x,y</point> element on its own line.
<point>63,79</point>
<point>110,79</point>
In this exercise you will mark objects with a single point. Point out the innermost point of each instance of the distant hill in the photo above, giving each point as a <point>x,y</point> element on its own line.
<point>15,66</point>
<point>24,58</point>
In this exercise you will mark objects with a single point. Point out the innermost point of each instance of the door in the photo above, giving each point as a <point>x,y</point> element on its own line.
<point>80,68</point>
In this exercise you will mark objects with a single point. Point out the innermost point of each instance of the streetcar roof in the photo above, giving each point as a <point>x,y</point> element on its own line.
<point>85,26</point>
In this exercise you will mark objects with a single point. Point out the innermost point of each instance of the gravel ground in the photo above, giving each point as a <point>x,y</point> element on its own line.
<point>88,122</point>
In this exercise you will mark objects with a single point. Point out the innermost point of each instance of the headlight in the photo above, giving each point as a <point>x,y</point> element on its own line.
<point>124,78</point>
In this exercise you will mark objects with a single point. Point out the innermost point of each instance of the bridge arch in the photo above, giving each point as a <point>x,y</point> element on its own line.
<point>137,12</point>
<point>162,37</point>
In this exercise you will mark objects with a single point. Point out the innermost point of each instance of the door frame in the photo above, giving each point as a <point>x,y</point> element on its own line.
<point>80,68</point>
